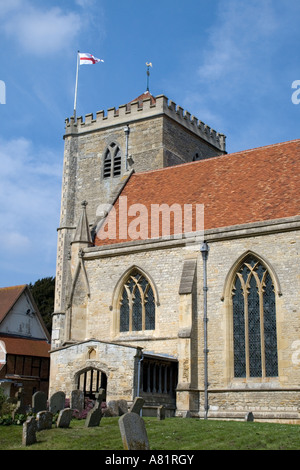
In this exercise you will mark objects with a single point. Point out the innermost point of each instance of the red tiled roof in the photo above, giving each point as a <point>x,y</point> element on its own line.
<point>244,187</point>
<point>26,347</point>
<point>144,96</point>
<point>8,297</point>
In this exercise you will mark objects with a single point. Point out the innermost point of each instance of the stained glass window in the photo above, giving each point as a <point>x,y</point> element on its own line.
<point>137,304</point>
<point>254,321</point>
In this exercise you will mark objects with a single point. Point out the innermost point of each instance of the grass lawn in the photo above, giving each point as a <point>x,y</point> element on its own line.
<point>169,434</point>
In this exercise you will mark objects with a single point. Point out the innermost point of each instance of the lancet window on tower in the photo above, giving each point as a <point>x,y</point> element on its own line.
<point>112,161</point>
<point>137,304</point>
<point>254,321</point>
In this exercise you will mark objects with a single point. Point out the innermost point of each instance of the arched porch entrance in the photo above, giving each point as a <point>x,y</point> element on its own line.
<point>90,380</point>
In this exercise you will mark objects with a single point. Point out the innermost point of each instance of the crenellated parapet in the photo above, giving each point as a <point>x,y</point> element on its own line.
<point>144,109</point>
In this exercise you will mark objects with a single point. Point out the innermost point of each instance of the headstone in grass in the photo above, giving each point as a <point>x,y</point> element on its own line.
<point>161,412</point>
<point>21,407</point>
<point>64,418</point>
<point>44,420</point>
<point>57,402</point>
<point>117,407</point>
<point>249,416</point>
<point>133,432</point>
<point>39,402</point>
<point>137,405</point>
<point>77,400</point>
<point>93,417</point>
<point>100,397</point>
<point>95,414</point>
<point>29,431</point>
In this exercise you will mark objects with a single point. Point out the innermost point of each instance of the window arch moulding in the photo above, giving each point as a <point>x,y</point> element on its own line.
<point>134,278</point>
<point>235,267</point>
<point>122,280</point>
<point>250,299</point>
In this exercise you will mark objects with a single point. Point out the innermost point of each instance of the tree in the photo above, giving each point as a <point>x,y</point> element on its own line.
<point>43,294</point>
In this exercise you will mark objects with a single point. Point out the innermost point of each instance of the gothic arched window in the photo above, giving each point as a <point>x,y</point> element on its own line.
<point>254,321</point>
<point>137,304</point>
<point>112,161</point>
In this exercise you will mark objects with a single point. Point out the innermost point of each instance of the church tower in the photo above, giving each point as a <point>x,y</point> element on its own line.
<point>101,152</point>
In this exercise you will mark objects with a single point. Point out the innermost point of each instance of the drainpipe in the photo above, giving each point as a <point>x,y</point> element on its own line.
<point>139,379</point>
<point>127,132</point>
<point>204,251</point>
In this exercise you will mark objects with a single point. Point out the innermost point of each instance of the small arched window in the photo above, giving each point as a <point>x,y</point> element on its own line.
<point>137,304</point>
<point>254,321</point>
<point>112,161</point>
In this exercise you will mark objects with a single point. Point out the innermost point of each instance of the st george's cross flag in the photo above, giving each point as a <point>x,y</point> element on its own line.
<point>86,59</point>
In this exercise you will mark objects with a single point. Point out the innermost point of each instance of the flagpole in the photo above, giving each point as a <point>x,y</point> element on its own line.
<point>76,86</point>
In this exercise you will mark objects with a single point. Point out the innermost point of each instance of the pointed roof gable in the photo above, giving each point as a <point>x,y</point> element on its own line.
<point>8,297</point>
<point>244,187</point>
<point>144,96</point>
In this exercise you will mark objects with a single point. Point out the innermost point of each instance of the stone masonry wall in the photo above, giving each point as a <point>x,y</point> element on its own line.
<point>161,134</point>
<point>117,362</point>
<point>105,270</point>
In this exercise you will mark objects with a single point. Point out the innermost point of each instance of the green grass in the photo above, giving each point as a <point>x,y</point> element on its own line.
<point>169,434</point>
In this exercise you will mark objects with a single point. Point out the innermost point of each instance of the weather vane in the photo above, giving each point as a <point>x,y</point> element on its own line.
<point>149,64</point>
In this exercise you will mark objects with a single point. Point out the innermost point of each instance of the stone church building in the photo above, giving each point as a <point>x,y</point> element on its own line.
<point>177,266</point>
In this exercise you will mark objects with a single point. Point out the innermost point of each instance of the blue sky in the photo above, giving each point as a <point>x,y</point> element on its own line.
<point>231,63</point>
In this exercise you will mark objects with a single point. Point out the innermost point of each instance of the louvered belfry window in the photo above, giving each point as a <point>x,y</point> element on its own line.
<point>112,161</point>
<point>137,304</point>
<point>254,321</point>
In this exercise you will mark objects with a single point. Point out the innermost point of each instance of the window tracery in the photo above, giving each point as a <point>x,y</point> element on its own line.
<point>137,304</point>
<point>254,321</point>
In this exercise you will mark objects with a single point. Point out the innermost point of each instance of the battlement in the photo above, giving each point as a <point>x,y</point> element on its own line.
<point>145,109</point>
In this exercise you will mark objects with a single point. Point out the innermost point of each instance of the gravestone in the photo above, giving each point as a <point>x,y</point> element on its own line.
<point>44,420</point>
<point>77,400</point>
<point>117,407</point>
<point>95,414</point>
<point>137,405</point>
<point>161,412</point>
<point>249,416</point>
<point>39,402</point>
<point>133,432</point>
<point>64,418</point>
<point>100,396</point>
<point>93,417</point>
<point>29,431</point>
<point>21,407</point>
<point>57,402</point>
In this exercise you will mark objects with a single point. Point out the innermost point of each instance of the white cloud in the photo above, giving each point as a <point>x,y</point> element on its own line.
<point>30,182</point>
<point>238,40</point>
<point>40,32</point>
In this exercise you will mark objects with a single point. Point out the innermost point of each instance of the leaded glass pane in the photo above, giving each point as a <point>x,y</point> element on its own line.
<point>270,329</point>
<point>239,330</point>
<point>150,310</point>
<point>254,330</point>
<point>137,311</point>
<point>124,312</point>
<point>245,272</point>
